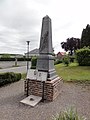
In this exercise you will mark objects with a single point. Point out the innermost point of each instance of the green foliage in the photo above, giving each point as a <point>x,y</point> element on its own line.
<point>7,59</point>
<point>9,77</point>
<point>24,76</point>
<point>33,62</point>
<point>69,114</point>
<point>85,38</point>
<point>72,58</point>
<point>83,56</point>
<point>57,61</point>
<point>13,59</point>
<point>23,59</point>
<point>66,60</point>
<point>5,56</point>
<point>71,45</point>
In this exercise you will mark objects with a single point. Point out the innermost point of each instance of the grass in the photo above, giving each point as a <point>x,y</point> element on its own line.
<point>68,114</point>
<point>23,76</point>
<point>73,72</point>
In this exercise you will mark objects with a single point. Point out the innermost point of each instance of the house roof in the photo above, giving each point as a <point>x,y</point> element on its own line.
<point>35,51</point>
<point>61,53</point>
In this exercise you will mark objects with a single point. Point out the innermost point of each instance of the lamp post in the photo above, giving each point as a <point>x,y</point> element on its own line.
<point>27,63</point>
<point>27,55</point>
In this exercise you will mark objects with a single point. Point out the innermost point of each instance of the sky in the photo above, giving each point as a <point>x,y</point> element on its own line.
<point>21,20</point>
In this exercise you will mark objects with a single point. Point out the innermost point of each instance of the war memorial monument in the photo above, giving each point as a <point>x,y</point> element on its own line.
<point>43,81</point>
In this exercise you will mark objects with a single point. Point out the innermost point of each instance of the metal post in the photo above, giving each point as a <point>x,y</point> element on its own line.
<point>28,54</point>
<point>27,63</point>
<point>43,83</point>
<point>27,87</point>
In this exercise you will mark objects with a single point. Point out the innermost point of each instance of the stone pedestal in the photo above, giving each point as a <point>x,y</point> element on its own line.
<point>45,63</point>
<point>51,88</point>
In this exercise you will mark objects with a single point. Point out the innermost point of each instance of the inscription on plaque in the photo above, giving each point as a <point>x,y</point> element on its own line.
<point>42,76</point>
<point>32,74</point>
<point>36,75</point>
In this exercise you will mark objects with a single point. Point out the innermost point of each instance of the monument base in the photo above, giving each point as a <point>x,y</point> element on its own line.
<point>51,88</point>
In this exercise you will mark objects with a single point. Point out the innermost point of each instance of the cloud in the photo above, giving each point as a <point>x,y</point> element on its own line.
<point>15,40</point>
<point>17,25</point>
<point>20,20</point>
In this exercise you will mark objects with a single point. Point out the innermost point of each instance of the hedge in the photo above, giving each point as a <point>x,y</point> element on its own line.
<point>57,61</point>
<point>13,59</point>
<point>33,62</point>
<point>72,58</point>
<point>66,60</point>
<point>83,56</point>
<point>9,77</point>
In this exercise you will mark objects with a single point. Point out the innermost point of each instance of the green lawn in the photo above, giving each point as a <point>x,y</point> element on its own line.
<point>73,72</point>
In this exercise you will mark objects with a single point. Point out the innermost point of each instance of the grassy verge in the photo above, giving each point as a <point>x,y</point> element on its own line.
<point>23,76</point>
<point>73,72</point>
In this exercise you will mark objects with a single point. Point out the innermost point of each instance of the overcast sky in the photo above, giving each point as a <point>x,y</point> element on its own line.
<point>20,20</point>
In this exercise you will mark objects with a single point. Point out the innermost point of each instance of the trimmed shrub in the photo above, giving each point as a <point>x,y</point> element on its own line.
<point>66,60</point>
<point>33,62</point>
<point>23,59</point>
<point>7,59</point>
<point>13,59</point>
<point>57,62</point>
<point>83,56</point>
<point>72,58</point>
<point>9,77</point>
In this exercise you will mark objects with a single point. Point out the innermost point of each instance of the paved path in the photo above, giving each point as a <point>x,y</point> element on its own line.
<point>22,69</point>
<point>71,95</point>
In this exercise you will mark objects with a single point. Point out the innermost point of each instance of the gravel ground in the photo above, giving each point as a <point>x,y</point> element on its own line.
<point>77,95</point>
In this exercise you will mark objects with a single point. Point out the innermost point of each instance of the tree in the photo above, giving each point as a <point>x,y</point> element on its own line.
<point>71,45</point>
<point>85,37</point>
<point>64,46</point>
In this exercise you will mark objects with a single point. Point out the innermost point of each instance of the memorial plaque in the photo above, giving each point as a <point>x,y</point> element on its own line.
<point>32,74</point>
<point>36,75</point>
<point>42,76</point>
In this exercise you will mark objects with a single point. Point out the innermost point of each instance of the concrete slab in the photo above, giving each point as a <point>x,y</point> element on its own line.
<point>31,100</point>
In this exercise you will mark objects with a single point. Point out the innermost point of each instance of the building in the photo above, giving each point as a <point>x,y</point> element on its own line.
<point>60,55</point>
<point>32,53</point>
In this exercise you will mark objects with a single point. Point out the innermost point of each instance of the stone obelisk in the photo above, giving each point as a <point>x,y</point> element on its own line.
<point>45,61</point>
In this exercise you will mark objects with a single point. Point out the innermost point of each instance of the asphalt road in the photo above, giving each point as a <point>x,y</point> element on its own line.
<point>7,67</point>
<point>22,69</point>
<point>9,64</point>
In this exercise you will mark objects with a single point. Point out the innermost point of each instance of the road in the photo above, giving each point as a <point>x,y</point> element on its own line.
<point>9,64</point>
<point>7,67</point>
<point>22,69</point>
